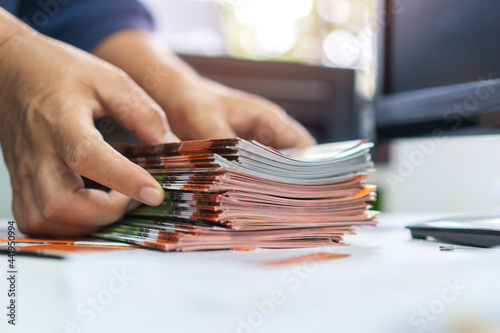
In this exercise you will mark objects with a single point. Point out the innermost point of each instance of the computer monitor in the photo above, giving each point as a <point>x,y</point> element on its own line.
<point>438,65</point>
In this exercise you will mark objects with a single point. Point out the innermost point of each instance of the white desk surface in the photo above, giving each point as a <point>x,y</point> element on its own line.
<point>390,283</point>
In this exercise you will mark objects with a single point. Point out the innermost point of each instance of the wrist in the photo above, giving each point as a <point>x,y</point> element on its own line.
<point>13,33</point>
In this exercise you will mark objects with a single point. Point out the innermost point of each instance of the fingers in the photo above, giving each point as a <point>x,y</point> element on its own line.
<point>268,123</point>
<point>83,150</point>
<point>209,126</point>
<point>130,105</point>
<point>281,131</point>
<point>31,221</point>
<point>61,206</point>
<point>61,197</point>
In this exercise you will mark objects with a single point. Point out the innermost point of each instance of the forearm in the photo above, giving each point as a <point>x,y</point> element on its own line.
<point>154,68</point>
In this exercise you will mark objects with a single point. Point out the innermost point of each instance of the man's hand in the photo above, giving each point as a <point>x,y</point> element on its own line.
<point>49,95</point>
<point>198,108</point>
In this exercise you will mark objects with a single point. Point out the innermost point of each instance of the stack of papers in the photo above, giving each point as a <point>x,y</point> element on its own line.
<point>238,194</point>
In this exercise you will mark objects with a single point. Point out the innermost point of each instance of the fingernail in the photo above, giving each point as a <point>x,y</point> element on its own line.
<point>151,195</point>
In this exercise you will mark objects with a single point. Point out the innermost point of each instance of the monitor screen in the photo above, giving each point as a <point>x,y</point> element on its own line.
<point>438,64</point>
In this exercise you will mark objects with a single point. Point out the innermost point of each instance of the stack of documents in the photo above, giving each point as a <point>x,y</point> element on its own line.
<point>238,194</point>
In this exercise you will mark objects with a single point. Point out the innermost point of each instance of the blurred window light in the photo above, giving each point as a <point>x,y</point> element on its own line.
<point>334,11</point>
<point>359,16</point>
<point>341,49</point>
<point>272,41</point>
<point>337,33</point>
<point>270,26</point>
<point>256,12</point>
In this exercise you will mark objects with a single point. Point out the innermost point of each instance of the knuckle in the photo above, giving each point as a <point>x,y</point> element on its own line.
<point>119,76</point>
<point>79,156</point>
<point>152,116</point>
<point>43,110</point>
<point>124,77</point>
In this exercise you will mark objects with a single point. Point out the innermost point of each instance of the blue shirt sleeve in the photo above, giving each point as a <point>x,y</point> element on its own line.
<point>84,23</point>
<point>9,5</point>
